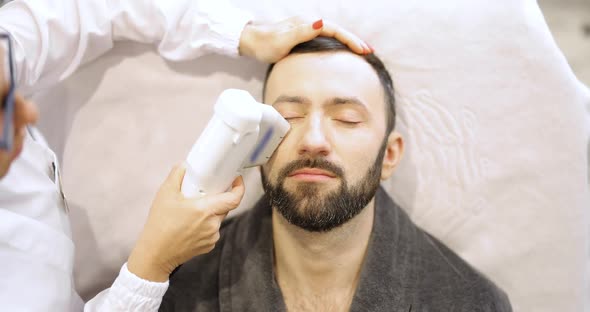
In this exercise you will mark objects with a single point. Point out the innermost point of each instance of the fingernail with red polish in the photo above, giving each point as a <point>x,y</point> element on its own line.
<point>318,24</point>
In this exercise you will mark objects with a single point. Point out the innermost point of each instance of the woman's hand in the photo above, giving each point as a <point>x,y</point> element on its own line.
<point>270,42</point>
<point>180,228</point>
<point>25,113</point>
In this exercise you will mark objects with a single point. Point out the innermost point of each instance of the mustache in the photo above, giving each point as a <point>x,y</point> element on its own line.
<point>318,163</point>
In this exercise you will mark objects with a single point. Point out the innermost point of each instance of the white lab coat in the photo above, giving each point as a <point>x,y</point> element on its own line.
<point>52,39</point>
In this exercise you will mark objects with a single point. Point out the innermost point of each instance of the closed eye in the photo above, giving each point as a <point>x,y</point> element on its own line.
<point>348,122</point>
<point>293,118</point>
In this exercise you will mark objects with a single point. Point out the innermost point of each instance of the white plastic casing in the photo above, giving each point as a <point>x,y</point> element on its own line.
<point>242,133</point>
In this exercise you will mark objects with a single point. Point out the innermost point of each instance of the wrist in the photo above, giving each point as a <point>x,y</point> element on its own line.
<point>144,266</point>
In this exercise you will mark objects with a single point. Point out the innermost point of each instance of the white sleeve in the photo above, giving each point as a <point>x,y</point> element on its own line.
<point>54,38</point>
<point>128,293</point>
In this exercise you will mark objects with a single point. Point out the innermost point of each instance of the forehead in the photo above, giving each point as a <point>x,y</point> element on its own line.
<point>324,75</point>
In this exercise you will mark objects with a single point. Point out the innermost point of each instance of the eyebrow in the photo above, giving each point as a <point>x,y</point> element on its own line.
<point>291,99</point>
<point>347,100</point>
<point>330,102</point>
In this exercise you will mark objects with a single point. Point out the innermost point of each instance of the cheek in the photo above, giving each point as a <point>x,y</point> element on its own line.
<point>356,167</point>
<point>277,160</point>
<point>357,154</point>
<point>269,169</point>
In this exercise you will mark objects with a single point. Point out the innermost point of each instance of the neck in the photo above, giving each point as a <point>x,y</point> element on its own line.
<point>315,263</point>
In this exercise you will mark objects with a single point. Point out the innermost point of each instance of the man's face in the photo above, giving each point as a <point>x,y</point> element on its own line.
<point>329,166</point>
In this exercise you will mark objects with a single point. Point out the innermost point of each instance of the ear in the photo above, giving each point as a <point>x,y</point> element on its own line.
<point>394,151</point>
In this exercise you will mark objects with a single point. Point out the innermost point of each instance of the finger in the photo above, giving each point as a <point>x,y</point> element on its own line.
<point>19,139</point>
<point>214,238</point>
<point>305,31</point>
<point>352,41</point>
<point>3,80</point>
<point>238,182</point>
<point>174,179</point>
<point>221,217</point>
<point>25,112</point>
<point>294,31</point>
<point>223,203</point>
<point>238,188</point>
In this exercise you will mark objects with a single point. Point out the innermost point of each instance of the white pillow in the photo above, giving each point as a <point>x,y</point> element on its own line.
<point>496,124</point>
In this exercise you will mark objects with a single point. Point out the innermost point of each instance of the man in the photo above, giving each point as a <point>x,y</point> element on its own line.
<point>326,237</point>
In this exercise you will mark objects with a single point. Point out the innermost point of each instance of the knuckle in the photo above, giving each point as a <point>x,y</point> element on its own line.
<point>178,197</point>
<point>217,225</point>
<point>233,201</point>
<point>210,234</point>
<point>300,32</point>
<point>213,227</point>
<point>296,20</point>
<point>216,236</point>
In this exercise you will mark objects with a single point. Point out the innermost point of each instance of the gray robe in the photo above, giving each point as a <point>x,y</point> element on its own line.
<point>405,269</point>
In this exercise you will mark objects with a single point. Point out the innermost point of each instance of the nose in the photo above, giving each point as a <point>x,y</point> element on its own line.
<point>315,141</point>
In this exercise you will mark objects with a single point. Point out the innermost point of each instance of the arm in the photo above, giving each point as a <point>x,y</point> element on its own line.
<point>54,38</point>
<point>177,229</point>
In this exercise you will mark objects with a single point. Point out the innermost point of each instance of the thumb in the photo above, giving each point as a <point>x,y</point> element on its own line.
<point>223,203</point>
<point>174,179</point>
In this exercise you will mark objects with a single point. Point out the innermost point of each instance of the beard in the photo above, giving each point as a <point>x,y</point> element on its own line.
<point>308,209</point>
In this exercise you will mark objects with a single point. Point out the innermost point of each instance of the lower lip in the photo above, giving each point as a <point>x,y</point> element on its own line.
<point>311,177</point>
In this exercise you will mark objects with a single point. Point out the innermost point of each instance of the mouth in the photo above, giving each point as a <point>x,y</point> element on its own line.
<point>312,175</point>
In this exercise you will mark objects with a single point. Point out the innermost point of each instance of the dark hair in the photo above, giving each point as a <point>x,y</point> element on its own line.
<point>325,44</point>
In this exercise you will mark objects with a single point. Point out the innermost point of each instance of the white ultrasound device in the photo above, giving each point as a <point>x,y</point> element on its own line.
<point>242,133</point>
